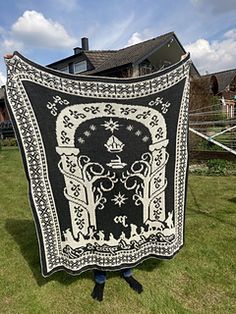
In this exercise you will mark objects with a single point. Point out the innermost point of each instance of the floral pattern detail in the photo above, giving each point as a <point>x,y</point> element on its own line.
<point>154,121</point>
<point>159,133</point>
<point>158,159</point>
<point>57,99</point>
<point>65,139</point>
<point>144,115</point>
<point>157,204</point>
<point>155,102</point>
<point>75,188</point>
<point>79,220</point>
<point>109,109</point>
<point>157,181</point>
<point>76,114</point>
<point>70,165</point>
<point>159,101</point>
<point>127,110</point>
<point>67,122</point>
<point>53,105</point>
<point>165,106</point>
<point>53,108</point>
<point>92,109</point>
<point>157,213</point>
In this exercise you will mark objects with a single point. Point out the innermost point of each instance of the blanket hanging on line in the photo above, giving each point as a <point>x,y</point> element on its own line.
<point>106,160</point>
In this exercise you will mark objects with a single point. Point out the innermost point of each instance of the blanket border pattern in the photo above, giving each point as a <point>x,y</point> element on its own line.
<point>48,231</point>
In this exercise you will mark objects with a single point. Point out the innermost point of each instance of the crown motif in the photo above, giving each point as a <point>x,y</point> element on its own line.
<point>114,145</point>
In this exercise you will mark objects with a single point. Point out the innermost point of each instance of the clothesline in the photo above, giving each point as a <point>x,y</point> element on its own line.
<point>204,113</point>
<point>212,122</point>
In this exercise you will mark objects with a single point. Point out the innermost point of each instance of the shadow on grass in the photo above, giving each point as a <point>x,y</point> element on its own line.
<point>233,200</point>
<point>23,232</point>
<point>199,211</point>
<point>151,264</point>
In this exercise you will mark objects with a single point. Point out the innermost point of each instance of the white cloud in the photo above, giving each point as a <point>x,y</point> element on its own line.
<point>2,79</point>
<point>231,34</point>
<point>135,39</point>
<point>138,37</point>
<point>10,45</point>
<point>34,30</point>
<point>216,55</point>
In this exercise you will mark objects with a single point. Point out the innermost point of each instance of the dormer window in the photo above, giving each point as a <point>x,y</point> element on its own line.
<point>80,66</point>
<point>65,69</point>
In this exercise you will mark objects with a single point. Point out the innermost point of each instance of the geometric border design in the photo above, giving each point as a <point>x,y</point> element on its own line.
<point>133,88</point>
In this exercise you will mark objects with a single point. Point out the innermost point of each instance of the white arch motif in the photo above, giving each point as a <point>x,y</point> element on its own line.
<point>75,175</point>
<point>77,114</point>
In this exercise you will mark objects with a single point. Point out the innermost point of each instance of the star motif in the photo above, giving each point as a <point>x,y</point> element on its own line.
<point>87,133</point>
<point>81,140</point>
<point>145,138</point>
<point>92,127</point>
<point>138,133</point>
<point>111,125</point>
<point>129,127</point>
<point>119,199</point>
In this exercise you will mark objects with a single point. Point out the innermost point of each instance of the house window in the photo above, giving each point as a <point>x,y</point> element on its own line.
<point>146,69</point>
<point>80,66</point>
<point>65,69</point>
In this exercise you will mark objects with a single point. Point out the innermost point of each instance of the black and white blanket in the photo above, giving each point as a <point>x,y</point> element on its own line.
<point>106,160</point>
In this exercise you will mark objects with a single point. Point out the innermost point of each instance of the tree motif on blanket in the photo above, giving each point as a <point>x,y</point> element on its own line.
<point>105,180</point>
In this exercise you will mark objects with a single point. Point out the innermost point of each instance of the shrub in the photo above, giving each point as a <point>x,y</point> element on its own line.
<point>218,166</point>
<point>10,141</point>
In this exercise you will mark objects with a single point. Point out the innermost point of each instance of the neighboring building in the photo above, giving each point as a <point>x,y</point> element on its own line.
<point>4,116</point>
<point>223,84</point>
<point>140,59</point>
<point>6,129</point>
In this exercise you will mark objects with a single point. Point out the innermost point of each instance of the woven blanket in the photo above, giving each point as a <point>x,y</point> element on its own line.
<point>106,160</point>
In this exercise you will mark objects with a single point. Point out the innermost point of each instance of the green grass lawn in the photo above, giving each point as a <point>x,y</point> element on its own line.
<point>200,279</point>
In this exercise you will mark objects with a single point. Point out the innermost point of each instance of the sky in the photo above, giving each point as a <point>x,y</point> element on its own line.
<point>48,30</point>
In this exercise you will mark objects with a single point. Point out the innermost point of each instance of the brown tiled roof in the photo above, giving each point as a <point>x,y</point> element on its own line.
<point>224,78</point>
<point>132,54</point>
<point>103,60</point>
<point>97,57</point>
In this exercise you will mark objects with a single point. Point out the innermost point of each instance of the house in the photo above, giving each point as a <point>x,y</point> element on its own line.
<point>139,59</point>
<point>4,116</point>
<point>223,84</point>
